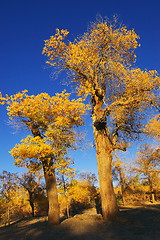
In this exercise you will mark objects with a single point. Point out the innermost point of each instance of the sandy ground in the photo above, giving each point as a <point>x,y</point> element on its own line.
<point>133,223</point>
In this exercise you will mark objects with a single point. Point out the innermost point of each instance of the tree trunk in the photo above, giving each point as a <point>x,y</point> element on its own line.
<point>8,216</point>
<point>152,195</point>
<point>31,201</point>
<point>65,195</point>
<point>50,179</point>
<point>122,184</point>
<point>104,160</point>
<point>53,212</point>
<point>67,207</point>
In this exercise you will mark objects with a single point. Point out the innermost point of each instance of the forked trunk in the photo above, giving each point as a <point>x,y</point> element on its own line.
<point>104,161</point>
<point>53,211</point>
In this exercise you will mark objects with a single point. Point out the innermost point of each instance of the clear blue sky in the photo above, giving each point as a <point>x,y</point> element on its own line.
<point>25,24</point>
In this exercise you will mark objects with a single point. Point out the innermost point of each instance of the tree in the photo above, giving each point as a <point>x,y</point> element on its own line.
<point>100,63</point>
<point>79,192</point>
<point>51,120</point>
<point>148,159</point>
<point>85,182</point>
<point>30,183</point>
<point>119,174</point>
<point>153,127</point>
<point>65,175</point>
<point>13,198</point>
<point>8,183</point>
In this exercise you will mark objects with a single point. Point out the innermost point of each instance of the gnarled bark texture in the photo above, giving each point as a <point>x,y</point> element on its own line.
<point>104,160</point>
<point>53,212</point>
<point>104,148</point>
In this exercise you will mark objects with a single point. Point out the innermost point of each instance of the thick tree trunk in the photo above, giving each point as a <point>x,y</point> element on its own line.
<point>104,161</point>
<point>53,212</point>
<point>50,179</point>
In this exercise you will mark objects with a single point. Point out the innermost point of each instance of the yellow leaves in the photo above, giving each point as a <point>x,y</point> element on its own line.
<point>76,191</point>
<point>43,109</point>
<point>3,100</point>
<point>31,148</point>
<point>64,167</point>
<point>145,80</point>
<point>96,52</point>
<point>33,152</point>
<point>153,127</point>
<point>13,196</point>
<point>50,119</point>
<point>133,93</point>
<point>120,38</point>
<point>55,46</point>
<point>17,197</point>
<point>118,163</point>
<point>79,191</point>
<point>100,62</point>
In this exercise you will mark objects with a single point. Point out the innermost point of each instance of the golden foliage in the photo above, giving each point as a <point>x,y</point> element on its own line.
<point>148,158</point>
<point>77,192</point>
<point>51,121</point>
<point>102,49</point>
<point>44,109</point>
<point>31,148</point>
<point>153,127</point>
<point>13,198</point>
<point>100,62</point>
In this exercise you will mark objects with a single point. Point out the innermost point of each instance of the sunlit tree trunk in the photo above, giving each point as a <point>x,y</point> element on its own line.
<point>51,188</point>
<point>104,160</point>
<point>104,150</point>
<point>98,63</point>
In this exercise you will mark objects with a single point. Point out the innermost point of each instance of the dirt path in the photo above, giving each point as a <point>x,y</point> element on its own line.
<point>142,223</point>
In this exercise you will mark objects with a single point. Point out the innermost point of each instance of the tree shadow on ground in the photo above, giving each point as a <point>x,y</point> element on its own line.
<point>141,223</point>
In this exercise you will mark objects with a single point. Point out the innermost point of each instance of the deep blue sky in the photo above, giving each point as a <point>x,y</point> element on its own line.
<point>25,24</point>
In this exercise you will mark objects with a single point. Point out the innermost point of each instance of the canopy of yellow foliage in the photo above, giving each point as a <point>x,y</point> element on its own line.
<point>101,63</point>
<point>51,121</point>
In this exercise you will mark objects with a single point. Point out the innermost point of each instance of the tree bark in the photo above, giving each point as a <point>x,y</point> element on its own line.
<point>104,161</point>
<point>152,195</point>
<point>122,184</point>
<point>31,201</point>
<point>65,195</point>
<point>53,211</point>
<point>50,179</point>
